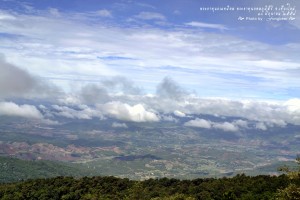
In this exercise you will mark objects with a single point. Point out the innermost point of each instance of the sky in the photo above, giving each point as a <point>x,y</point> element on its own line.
<point>194,56</point>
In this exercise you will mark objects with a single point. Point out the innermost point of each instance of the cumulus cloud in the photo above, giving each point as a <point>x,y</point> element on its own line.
<point>12,109</point>
<point>293,105</point>
<point>170,98</point>
<point>93,93</point>
<point>45,111</point>
<point>84,112</point>
<point>261,126</point>
<point>271,112</point>
<point>179,113</point>
<point>70,99</point>
<point>169,118</point>
<point>107,89</point>
<point>123,111</point>
<point>64,41</point>
<point>76,54</point>
<point>233,126</point>
<point>168,88</point>
<point>119,125</point>
<point>16,82</point>
<point>69,47</point>
<point>121,84</point>
<point>241,123</point>
<point>226,126</point>
<point>200,123</point>
<point>26,111</point>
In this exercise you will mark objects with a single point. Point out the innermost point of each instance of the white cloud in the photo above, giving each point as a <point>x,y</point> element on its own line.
<point>168,88</point>
<point>69,100</point>
<point>206,25</point>
<point>241,123</point>
<point>293,105</point>
<point>104,13</point>
<point>271,112</point>
<point>123,111</point>
<point>179,113</point>
<point>6,16</point>
<point>169,118</point>
<point>49,122</point>
<point>92,94</point>
<point>198,59</point>
<point>276,122</point>
<point>200,123</point>
<point>75,54</point>
<point>12,109</point>
<point>150,16</point>
<point>226,126</point>
<point>119,125</point>
<point>84,112</point>
<point>126,107</point>
<point>16,82</point>
<point>261,126</point>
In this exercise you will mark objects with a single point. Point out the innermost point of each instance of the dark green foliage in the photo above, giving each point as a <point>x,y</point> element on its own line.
<point>238,187</point>
<point>292,191</point>
<point>12,169</point>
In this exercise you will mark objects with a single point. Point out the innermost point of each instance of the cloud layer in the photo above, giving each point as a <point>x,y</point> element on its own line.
<point>14,81</point>
<point>123,65</point>
<point>202,123</point>
<point>123,111</point>
<point>26,111</point>
<point>210,63</point>
<point>17,82</point>
<point>121,99</point>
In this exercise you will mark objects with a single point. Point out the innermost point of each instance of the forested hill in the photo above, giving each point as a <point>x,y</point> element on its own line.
<point>238,187</point>
<point>13,169</point>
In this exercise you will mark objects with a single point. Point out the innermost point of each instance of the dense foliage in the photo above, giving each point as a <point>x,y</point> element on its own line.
<point>238,187</point>
<point>292,191</point>
<point>284,187</point>
<point>13,169</point>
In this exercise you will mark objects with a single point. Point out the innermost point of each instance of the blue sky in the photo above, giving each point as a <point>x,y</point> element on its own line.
<point>212,54</point>
<point>148,61</point>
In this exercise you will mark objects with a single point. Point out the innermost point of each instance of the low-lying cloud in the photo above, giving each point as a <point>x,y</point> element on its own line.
<point>234,126</point>
<point>105,90</point>
<point>83,112</point>
<point>170,89</point>
<point>123,111</point>
<point>226,126</point>
<point>120,98</point>
<point>16,82</point>
<point>119,125</point>
<point>200,123</point>
<point>92,94</point>
<point>179,113</point>
<point>26,111</point>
